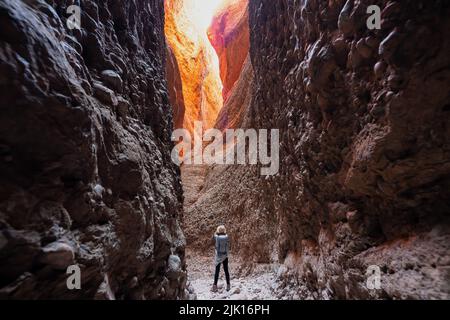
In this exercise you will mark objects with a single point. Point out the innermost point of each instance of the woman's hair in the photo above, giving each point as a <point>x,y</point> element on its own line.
<point>221,230</point>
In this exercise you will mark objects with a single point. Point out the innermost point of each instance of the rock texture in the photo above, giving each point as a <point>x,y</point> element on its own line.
<point>175,86</point>
<point>85,171</point>
<point>197,62</point>
<point>206,188</point>
<point>232,115</point>
<point>229,35</point>
<point>365,156</point>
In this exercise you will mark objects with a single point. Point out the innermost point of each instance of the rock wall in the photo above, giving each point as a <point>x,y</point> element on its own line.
<point>175,87</point>
<point>232,114</point>
<point>85,171</point>
<point>365,156</point>
<point>197,62</point>
<point>229,35</point>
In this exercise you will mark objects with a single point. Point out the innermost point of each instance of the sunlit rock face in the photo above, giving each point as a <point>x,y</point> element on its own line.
<point>229,35</point>
<point>186,22</point>
<point>232,115</point>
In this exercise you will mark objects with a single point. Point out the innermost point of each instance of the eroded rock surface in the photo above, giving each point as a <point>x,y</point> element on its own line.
<point>229,35</point>
<point>85,171</point>
<point>232,115</point>
<point>197,62</point>
<point>365,155</point>
<point>175,87</point>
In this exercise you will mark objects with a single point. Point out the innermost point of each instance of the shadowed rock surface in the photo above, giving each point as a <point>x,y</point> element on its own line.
<point>85,171</point>
<point>365,156</point>
<point>175,87</point>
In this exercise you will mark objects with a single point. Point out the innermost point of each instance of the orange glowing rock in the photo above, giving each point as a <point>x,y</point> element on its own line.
<point>229,35</point>
<point>235,109</point>
<point>186,23</point>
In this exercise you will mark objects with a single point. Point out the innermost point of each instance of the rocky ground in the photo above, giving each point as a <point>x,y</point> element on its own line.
<point>254,281</point>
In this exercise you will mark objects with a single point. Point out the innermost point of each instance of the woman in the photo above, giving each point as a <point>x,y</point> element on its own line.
<point>222,245</point>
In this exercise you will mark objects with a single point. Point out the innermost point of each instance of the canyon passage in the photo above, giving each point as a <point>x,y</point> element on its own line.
<point>358,209</point>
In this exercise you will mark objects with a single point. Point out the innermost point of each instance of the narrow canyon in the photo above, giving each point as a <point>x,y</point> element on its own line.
<point>87,170</point>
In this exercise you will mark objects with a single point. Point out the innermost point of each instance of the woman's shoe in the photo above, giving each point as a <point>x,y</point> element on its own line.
<point>214,288</point>
<point>228,287</point>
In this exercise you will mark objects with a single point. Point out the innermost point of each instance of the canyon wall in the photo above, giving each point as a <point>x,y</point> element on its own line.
<point>175,87</point>
<point>85,171</point>
<point>232,115</point>
<point>198,63</point>
<point>365,157</point>
<point>229,35</point>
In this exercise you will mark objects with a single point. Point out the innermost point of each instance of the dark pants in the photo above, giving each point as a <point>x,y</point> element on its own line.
<point>225,268</point>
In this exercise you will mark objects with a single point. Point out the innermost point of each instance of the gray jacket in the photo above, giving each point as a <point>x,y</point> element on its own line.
<point>222,246</point>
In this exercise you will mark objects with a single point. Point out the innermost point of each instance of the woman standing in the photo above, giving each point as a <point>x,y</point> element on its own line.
<point>222,246</point>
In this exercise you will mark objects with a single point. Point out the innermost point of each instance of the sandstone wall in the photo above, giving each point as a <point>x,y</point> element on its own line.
<point>365,156</point>
<point>229,35</point>
<point>85,171</point>
<point>197,62</point>
<point>232,114</point>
